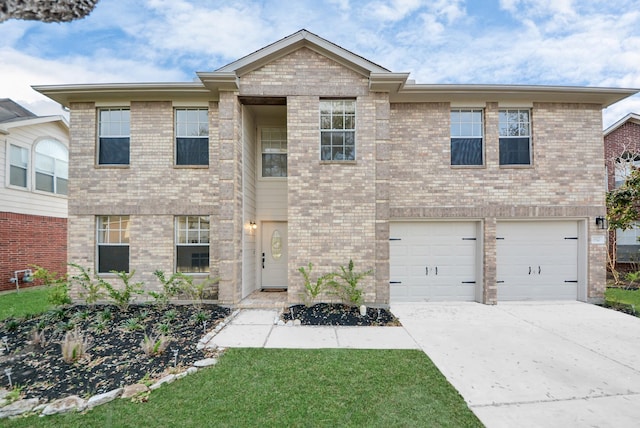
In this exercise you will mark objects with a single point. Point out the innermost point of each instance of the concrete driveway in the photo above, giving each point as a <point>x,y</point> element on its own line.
<point>543,364</point>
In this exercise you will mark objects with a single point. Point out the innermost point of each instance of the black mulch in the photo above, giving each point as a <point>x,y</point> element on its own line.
<point>115,358</point>
<point>339,314</point>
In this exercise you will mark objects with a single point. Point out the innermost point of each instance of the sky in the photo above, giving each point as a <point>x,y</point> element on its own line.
<point>529,42</point>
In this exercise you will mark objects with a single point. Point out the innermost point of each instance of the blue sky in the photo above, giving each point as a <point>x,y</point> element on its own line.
<point>538,42</point>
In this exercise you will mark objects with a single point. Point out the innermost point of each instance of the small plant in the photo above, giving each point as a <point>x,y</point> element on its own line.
<point>633,278</point>
<point>91,290</point>
<point>200,316</point>
<point>163,328</point>
<point>74,346</point>
<point>12,325</point>
<point>14,394</point>
<point>133,324</point>
<point>38,338</point>
<point>81,315</point>
<point>146,380</point>
<point>57,283</point>
<point>99,326</point>
<point>122,298</point>
<point>105,315</point>
<point>347,288</point>
<point>65,326</point>
<point>170,315</point>
<point>313,290</point>
<point>154,345</point>
<point>170,288</point>
<point>194,292</point>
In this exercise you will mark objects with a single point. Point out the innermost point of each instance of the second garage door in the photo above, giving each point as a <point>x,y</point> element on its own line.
<point>537,260</point>
<point>433,261</point>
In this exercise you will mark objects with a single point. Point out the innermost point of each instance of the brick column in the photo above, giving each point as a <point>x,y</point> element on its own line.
<point>489,284</point>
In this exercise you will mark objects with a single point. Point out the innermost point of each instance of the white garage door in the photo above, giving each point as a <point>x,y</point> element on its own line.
<point>432,261</point>
<point>537,260</point>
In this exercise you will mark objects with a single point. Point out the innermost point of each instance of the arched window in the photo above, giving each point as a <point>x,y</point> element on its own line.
<point>52,167</point>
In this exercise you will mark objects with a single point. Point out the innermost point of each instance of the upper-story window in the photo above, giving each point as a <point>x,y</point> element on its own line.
<point>515,137</point>
<point>338,130</point>
<point>274,152</point>
<point>623,166</point>
<point>114,136</point>
<point>18,165</point>
<point>466,137</point>
<point>52,167</point>
<point>192,136</point>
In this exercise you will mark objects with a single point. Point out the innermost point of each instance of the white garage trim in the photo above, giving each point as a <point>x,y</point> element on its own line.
<point>435,261</point>
<point>541,260</point>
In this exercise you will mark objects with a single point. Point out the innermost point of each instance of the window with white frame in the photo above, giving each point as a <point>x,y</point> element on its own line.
<point>628,245</point>
<point>192,244</point>
<point>114,131</point>
<point>52,167</point>
<point>274,152</point>
<point>337,130</point>
<point>192,136</point>
<point>623,167</point>
<point>113,243</point>
<point>515,137</point>
<point>466,137</point>
<point>18,165</point>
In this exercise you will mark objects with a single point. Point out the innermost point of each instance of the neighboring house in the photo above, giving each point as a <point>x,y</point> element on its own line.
<point>34,160</point>
<point>305,152</point>
<point>622,152</point>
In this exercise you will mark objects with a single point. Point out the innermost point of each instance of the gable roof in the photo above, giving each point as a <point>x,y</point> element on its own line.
<point>10,111</point>
<point>631,117</point>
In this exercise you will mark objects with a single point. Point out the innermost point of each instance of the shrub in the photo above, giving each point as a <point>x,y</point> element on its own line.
<point>155,345</point>
<point>194,292</point>
<point>347,287</point>
<point>91,290</point>
<point>122,298</point>
<point>74,346</point>
<point>170,288</point>
<point>57,284</point>
<point>313,290</point>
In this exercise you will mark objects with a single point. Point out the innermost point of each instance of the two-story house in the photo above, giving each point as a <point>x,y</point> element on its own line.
<point>33,197</point>
<point>305,152</point>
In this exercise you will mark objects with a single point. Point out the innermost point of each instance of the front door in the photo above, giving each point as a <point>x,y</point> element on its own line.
<point>274,255</point>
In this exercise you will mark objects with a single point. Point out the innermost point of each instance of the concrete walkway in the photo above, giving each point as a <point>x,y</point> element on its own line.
<point>553,364</point>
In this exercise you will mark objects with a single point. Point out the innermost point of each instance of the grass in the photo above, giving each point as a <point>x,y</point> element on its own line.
<point>617,296</point>
<point>27,301</point>
<point>292,388</point>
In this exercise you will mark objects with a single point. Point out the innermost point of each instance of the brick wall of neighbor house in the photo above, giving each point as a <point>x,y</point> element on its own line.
<point>27,240</point>
<point>332,214</point>
<point>560,183</point>
<point>151,191</point>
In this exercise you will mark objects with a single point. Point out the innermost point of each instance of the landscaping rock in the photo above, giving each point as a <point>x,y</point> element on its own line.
<point>18,407</point>
<point>100,399</point>
<point>65,405</point>
<point>191,370</point>
<point>206,362</point>
<point>133,390</point>
<point>297,322</point>
<point>167,379</point>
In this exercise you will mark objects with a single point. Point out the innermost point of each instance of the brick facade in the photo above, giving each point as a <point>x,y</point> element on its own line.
<point>335,211</point>
<point>28,240</point>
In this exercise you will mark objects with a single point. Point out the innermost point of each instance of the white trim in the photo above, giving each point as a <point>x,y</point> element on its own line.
<point>515,105</point>
<point>631,117</point>
<point>188,104</point>
<point>100,104</point>
<point>470,105</point>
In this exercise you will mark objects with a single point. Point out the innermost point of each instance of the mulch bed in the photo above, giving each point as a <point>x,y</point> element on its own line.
<point>115,358</point>
<point>339,314</point>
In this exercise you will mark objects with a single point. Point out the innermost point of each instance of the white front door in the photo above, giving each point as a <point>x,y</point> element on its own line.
<point>274,256</point>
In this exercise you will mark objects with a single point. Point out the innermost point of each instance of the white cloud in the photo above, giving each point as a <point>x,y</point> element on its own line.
<point>394,10</point>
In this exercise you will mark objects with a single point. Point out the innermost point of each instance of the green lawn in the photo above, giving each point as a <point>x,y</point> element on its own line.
<point>292,388</point>
<point>27,301</point>
<point>622,296</point>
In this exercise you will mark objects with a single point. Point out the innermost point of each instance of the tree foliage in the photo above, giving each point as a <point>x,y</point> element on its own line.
<point>623,202</point>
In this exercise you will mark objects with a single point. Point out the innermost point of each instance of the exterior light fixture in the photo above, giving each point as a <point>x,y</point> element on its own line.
<point>253,225</point>
<point>601,222</point>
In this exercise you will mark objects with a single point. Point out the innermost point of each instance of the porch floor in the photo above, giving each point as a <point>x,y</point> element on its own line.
<point>264,299</point>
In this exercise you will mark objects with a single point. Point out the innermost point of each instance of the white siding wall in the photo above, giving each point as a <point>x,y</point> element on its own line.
<point>27,201</point>
<point>249,203</point>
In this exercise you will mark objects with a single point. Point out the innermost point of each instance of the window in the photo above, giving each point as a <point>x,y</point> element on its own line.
<point>192,244</point>
<point>18,164</point>
<point>623,167</point>
<point>113,136</point>
<point>274,152</point>
<point>192,137</point>
<point>337,130</point>
<point>52,167</point>
<point>515,137</point>
<point>466,137</point>
<point>628,246</point>
<point>113,243</point>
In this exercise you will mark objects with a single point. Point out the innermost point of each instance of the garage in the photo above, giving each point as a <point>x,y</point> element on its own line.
<point>537,260</point>
<point>433,261</point>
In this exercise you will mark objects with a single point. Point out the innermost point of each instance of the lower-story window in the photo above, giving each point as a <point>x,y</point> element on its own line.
<point>113,243</point>
<point>192,244</point>
<point>628,244</point>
